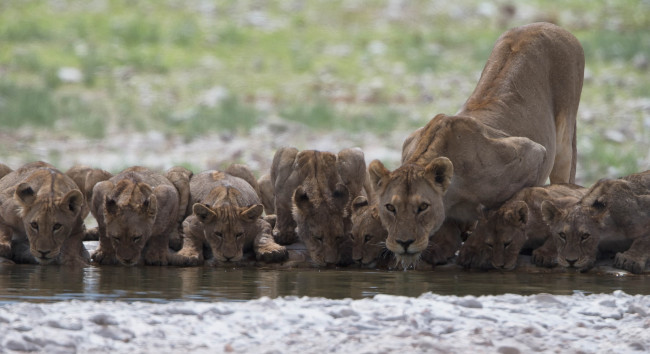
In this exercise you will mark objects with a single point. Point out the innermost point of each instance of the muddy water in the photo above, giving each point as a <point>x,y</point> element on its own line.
<point>162,284</point>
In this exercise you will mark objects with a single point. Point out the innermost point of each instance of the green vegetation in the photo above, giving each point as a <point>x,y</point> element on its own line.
<point>192,67</point>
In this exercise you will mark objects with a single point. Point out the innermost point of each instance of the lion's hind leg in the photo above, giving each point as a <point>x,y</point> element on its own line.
<point>566,154</point>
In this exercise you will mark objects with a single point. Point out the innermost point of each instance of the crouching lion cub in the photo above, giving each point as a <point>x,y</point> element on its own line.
<point>226,217</point>
<point>501,234</point>
<point>40,217</point>
<point>517,129</point>
<point>613,216</point>
<point>313,193</point>
<point>136,211</point>
<point>368,235</point>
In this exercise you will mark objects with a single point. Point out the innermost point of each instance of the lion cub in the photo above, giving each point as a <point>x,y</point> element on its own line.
<point>368,235</point>
<point>226,217</point>
<point>501,234</point>
<point>613,216</point>
<point>40,217</point>
<point>136,211</point>
<point>313,193</point>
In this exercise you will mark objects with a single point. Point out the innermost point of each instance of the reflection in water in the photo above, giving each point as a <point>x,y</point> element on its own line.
<point>160,284</point>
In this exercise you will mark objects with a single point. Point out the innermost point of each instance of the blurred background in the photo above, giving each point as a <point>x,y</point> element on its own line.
<point>203,84</point>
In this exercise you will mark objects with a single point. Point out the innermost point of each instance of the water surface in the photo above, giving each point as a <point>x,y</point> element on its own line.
<point>162,284</point>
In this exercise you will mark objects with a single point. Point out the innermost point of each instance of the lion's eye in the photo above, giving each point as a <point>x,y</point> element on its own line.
<point>137,239</point>
<point>367,238</point>
<point>506,244</point>
<point>34,225</point>
<point>239,235</point>
<point>218,234</point>
<point>390,207</point>
<point>562,236</point>
<point>423,207</point>
<point>489,245</point>
<point>318,238</point>
<point>56,226</point>
<point>585,236</point>
<point>116,239</point>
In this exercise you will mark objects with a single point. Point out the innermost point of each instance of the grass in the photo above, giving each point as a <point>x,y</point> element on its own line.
<point>354,66</point>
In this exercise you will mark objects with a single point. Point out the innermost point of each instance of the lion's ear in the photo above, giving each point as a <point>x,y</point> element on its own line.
<point>203,213</point>
<point>300,198</point>
<point>72,202</point>
<point>25,194</point>
<point>517,215</point>
<point>550,213</point>
<point>150,206</point>
<point>359,203</point>
<point>251,213</point>
<point>341,195</point>
<point>440,171</point>
<point>377,172</point>
<point>110,205</point>
<point>351,165</point>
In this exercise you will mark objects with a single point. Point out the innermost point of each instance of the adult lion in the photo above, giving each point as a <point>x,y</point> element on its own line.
<point>517,129</point>
<point>40,217</point>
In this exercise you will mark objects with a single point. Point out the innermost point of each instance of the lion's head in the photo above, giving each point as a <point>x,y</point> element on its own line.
<point>368,234</point>
<point>130,211</point>
<point>576,231</point>
<point>323,223</point>
<point>226,225</point>
<point>504,232</point>
<point>50,212</point>
<point>410,202</point>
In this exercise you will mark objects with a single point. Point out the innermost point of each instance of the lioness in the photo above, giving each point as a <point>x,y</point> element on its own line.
<point>313,192</point>
<point>226,216</point>
<point>40,217</point>
<point>136,211</point>
<point>516,130</point>
<point>613,216</point>
<point>501,234</point>
<point>368,235</point>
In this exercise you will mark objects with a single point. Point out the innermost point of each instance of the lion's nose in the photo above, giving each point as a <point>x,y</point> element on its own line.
<point>44,253</point>
<point>405,244</point>
<point>227,258</point>
<point>571,261</point>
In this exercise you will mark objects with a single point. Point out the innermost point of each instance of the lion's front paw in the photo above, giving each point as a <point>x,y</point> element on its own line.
<point>435,255</point>
<point>544,258</point>
<point>272,253</point>
<point>5,251</point>
<point>629,263</point>
<point>156,258</point>
<point>102,258</point>
<point>285,238</point>
<point>185,258</point>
